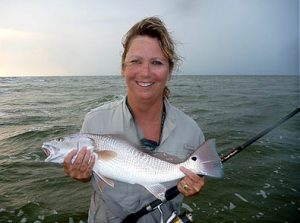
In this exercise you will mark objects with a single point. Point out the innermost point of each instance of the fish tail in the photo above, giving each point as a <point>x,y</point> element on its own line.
<point>208,160</point>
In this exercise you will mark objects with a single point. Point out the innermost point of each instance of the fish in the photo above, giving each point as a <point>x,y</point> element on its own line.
<point>118,159</point>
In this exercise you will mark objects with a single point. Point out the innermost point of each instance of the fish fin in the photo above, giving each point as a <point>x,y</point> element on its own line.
<point>158,190</point>
<point>101,181</point>
<point>165,156</point>
<point>210,162</point>
<point>121,137</point>
<point>106,154</point>
<point>108,181</point>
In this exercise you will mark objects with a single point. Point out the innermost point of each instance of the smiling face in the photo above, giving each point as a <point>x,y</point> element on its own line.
<point>146,69</point>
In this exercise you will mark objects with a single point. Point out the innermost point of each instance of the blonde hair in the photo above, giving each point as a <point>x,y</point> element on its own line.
<point>155,28</point>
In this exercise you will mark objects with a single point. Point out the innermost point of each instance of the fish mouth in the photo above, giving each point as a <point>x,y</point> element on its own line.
<point>48,150</point>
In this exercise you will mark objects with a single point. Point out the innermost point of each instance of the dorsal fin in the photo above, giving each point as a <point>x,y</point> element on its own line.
<point>165,156</point>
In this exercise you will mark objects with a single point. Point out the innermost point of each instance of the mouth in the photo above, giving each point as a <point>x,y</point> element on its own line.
<point>46,151</point>
<point>144,84</point>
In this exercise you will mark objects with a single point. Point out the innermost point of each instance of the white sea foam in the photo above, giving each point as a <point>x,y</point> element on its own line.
<point>262,193</point>
<point>293,189</point>
<point>231,206</point>
<point>54,211</point>
<point>3,114</point>
<point>41,217</point>
<point>20,213</point>
<point>240,197</point>
<point>259,215</point>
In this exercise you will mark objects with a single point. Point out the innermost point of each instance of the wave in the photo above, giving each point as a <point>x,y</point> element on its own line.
<point>35,212</point>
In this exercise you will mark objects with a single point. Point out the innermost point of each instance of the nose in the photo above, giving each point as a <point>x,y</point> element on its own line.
<point>146,69</point>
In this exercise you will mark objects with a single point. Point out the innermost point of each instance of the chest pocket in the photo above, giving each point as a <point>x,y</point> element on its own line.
<point>189,149</point>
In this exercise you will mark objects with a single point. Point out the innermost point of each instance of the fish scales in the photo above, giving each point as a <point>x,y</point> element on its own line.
<point>117,159</point>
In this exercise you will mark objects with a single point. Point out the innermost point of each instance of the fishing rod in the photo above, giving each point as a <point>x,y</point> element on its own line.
<point>173,191</point>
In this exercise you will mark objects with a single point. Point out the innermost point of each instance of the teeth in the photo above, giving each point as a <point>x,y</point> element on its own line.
<point>145,84</point>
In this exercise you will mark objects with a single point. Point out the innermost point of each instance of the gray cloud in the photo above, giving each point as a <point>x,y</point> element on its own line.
<point>84,37</point>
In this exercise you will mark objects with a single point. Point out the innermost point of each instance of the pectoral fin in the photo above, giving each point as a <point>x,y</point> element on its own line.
<point>101,181</point>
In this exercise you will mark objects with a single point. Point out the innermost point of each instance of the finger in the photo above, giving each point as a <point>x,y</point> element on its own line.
<point>79,158</point>
<point>69,157</point>
<point>192,180</point>
<point>190,174</point>
<point>88,171</point>
<point>194,186</point>
<point>186,171</point>
<point>185,188</point>
<point>85,160</point>
<point>181,189</point>
<point>92,162</point>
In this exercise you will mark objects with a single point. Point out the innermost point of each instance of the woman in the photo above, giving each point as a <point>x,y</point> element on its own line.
<point>144,116</point>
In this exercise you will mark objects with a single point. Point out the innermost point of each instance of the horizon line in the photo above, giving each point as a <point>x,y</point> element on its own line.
<point>100,75</point>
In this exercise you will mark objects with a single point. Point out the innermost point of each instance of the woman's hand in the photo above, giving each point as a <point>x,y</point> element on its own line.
<point>81,168</point>
<point>191,184</point>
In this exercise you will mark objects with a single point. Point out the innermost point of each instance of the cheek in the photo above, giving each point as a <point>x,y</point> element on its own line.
<point>165,75</point>
<point>128,77</point>
<point>127,73</point>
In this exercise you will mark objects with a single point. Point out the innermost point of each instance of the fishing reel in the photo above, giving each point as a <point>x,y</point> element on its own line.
<point>182,218</point>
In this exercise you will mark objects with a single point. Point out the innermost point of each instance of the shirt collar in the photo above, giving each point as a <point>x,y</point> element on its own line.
<point>170,121</point>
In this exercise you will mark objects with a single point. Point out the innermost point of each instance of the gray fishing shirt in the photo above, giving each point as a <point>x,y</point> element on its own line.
<point>180,136</point>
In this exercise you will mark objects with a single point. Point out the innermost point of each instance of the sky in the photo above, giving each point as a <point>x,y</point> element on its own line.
<point>214,37</point>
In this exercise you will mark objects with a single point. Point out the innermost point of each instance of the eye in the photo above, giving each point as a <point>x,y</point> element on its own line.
<point>135,61</point>
<point>157,62</point>
<point>61,139</point>
<point>194,158</point>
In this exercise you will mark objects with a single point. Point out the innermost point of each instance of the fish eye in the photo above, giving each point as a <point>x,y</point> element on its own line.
<point>61,139</point>
<point>194,158</point>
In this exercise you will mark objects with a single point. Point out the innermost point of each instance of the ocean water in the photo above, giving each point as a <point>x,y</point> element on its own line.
<point>261,184</point>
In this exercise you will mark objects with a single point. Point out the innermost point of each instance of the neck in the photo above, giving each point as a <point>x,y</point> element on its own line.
<point>149,118</point>
<point>146,110</point>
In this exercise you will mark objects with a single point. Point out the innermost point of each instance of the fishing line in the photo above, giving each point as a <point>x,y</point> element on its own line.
<point>173,191</point>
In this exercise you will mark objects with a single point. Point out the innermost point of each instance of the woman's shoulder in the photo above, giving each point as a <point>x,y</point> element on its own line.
<point>105,108</point>
<point>104,117</point>
<point>181,117</point>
